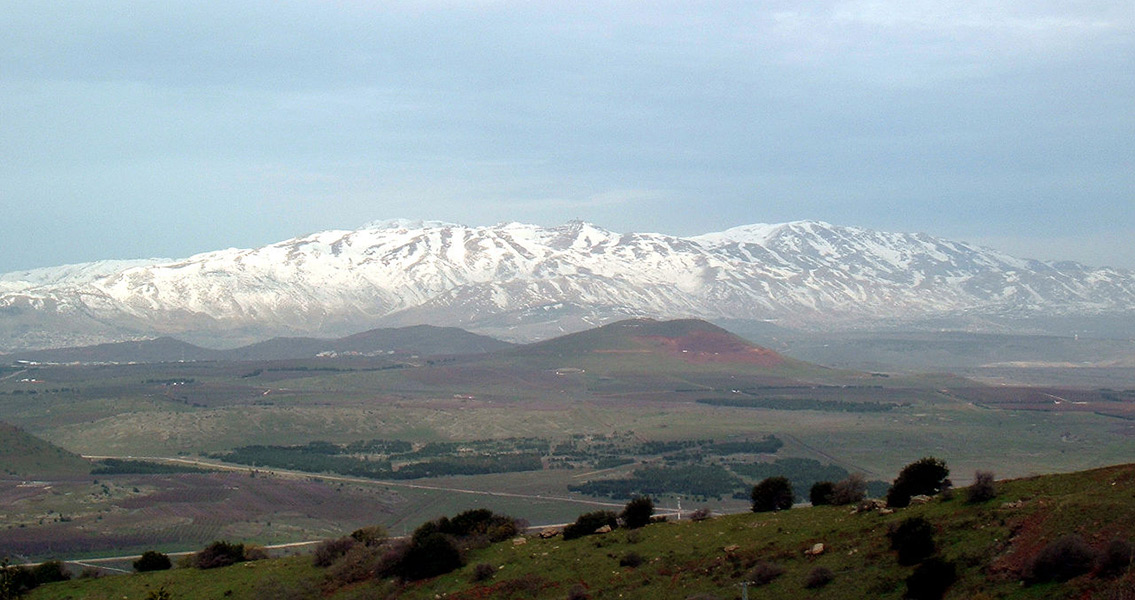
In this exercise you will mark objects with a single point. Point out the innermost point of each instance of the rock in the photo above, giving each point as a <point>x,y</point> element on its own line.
<point>548,533</point>
<point>886,511</point>
<point>816,550</point>
<point>519,541</point>
<point>604,529</point>
<point>731,548</point>
<point>920,499</point>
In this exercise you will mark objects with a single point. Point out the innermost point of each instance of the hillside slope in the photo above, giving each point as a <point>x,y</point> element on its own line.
<point>991,545</point>
<point>23,455</point>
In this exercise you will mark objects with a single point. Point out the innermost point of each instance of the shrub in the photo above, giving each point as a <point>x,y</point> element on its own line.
<point>850,490</point>
<point>701,514</point>
<point>254,552</point>
<point>913,539</point>
<point>359,563</point>
<point>818,578</point>
<point>88,573</point>
<point>429,556</point>
<point>771,494</point>
<point>578,592</point>
<point>587,523</point>
<point>1115,559</point>
<point>765,572</point>
<point>219,554</point>
<point>982,489</point>
<point>925,476</point>
<point>152,560</point>
<point>631,559</point>
<point>1061,560</point>
<point>50,572</point>
<point>821,493</point>
<point>637,512</point>
<point>160,594</point>
<point>483,572</point>
<point>931,579</point>
<point>371,536</point>
<point>329,551</point>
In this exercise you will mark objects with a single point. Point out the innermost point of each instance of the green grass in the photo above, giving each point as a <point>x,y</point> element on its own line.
<point>989,542</point>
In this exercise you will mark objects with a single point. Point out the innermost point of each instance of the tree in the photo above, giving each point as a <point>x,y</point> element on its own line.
<point>771,494</point>
<point>925,476</point>
<point>931,579</point>
<point>982,488</point>
<point>152,560</point>
<point>849,491</point>
<point>637,512</point>
<point>821,493</point>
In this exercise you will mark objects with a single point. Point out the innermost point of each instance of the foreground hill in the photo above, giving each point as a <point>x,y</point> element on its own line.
<point>25,456</point>
<point>526,282</point>
<point>992,545</point>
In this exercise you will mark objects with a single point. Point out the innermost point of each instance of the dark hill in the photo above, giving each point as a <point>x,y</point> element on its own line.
<point>421,340</point>
<point>26,456</point>
<point>689,341</point>
<point>163,349</point>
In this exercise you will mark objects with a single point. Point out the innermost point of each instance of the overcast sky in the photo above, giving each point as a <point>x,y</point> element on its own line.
<point>145,129</point>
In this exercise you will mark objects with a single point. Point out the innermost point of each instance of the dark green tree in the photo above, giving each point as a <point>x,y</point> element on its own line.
<point>771,494</point>
<point>821,493</point>
<point>925,476</point>
<point>637,512</point>
<point>152,560</point>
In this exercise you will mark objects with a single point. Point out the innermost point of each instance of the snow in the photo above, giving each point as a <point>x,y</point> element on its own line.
<point>790,272</point>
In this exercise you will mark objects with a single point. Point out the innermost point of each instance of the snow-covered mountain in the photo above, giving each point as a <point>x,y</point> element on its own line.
<point>522,282</point>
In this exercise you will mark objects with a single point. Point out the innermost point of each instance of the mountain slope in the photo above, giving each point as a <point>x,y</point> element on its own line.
<point>24,455</point>
<point>523,282</point>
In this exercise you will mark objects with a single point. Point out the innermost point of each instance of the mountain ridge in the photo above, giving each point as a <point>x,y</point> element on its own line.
<point>523,282</point>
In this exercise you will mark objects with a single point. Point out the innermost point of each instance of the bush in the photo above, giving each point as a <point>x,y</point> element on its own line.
<point>429,556</point>
<point>925,476</point>
<point>483,572</point>
<point>1067,557</point>
<point>701,514</point>
<point>771,494</point>
<point>818,578</point>
<point>637,512</point>
<point>578,592</point>
<point>931,579</point>
<point>371,536</point>
<point>152,560</point>
<point>849,491</point>
<point>821,493</point>
<point>219,554</point>
<point>631,559</point>
<point>982,489</point>
<point>329,551</point>
<point>359,563</point>
<point>254,552</point>
<point>587,523</point>
<point>50,572</point>
<point>1115,559</point>
<point>913,539</point>
<point>765,572</point>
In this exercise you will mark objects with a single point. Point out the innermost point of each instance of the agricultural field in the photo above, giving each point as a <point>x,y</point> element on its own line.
<point>540,431</point>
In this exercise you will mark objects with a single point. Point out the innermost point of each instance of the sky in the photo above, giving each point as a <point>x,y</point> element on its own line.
<point>163,129</point>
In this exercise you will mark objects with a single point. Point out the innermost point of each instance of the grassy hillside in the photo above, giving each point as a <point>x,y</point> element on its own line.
<point>991,544</point>
<point>26,456</point>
